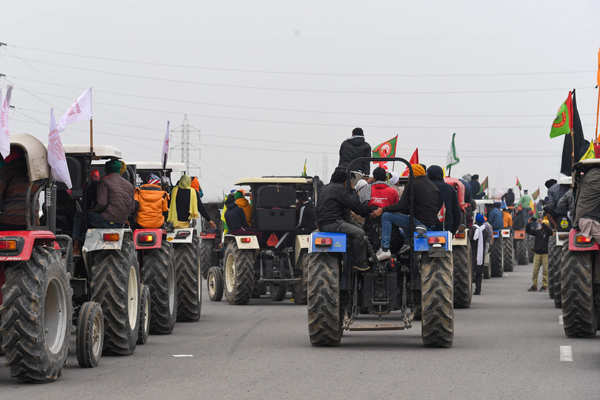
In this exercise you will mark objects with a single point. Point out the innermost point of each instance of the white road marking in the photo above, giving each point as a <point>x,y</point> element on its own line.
<point>183,355</point>
<point>560,319</point>
<point>566,354</point>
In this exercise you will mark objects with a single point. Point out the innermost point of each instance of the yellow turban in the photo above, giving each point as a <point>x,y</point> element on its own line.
<point>418,170</point>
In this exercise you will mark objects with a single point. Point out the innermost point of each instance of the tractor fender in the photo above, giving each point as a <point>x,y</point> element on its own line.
<point>94,239</point>
<point>244,242</point>
<point>25,242</point>
<point>146,239</point>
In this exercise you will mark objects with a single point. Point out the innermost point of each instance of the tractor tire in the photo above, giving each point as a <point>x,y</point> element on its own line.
<point>579,316</point>
<point>36,316</point>
<point>278,291</point>
<point>145,315</point>
<point>437,315</point>
<point>115,285</point>
<point>557,278</point>
<point>530,242</point>
<point>214,284</point>
<point>487,272</point>
<point>463,282</point>
<point>521,251</point>
<point>206,256</point>
<point>508,255</point>
<point>239,274</point>
<point>496,264</point>
<point>89,335</point>
<point>299,290</point>
<point>323,297</point>
<point>189,281</point>
<point>158,273</point>
<point>554,253</point>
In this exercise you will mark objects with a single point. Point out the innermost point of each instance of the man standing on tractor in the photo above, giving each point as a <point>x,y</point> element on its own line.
<point>333,208</point>
<point>427,204</point>
<point>449,198</point>
<point>509,198</point>
<point>382,194</point>
<point>476,188</point>
<point>151,204</point>
<point>114,200</point>
<point>14,183</point>
<point>507,218</point>
<point>525,201</point>
<point>353,148</point>
<point>542,233</point>
<point>495,217</point>
<point>186,206</point>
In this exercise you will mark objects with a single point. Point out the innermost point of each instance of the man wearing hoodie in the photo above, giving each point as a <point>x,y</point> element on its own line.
<point>449,198</point>
<point>354,148</point>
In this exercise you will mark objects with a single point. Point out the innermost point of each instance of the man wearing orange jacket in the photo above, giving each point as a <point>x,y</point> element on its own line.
<point>151,204</point>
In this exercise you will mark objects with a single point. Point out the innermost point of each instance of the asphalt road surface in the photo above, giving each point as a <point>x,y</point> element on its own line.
<point>507,346</point>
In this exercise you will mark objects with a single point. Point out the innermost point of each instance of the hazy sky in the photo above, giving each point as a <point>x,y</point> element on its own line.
<point>270,83</point>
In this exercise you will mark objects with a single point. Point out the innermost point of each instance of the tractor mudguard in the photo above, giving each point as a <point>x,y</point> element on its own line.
<point>146,239</point>
<point>433,240</point>
<point>24,246</point>
<point>460,238</point>
<point>505,233</point>
<point>104,239</point>
<point>183,235</point>
<point>327,242</point>
<point>245,242</point>
<point>578,242</point>
<point>519,234</point>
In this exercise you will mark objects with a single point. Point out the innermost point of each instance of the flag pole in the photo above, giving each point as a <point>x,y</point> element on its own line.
<point>91,136</point>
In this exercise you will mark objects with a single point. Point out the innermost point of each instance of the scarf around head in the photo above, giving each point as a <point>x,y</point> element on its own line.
<point>183,184</point>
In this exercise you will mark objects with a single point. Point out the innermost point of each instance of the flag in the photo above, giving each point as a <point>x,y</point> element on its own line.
<point>414,159</point>
<point>484,186</point>
<point>590,152</point>
<point>165,148</point>
<point>56,154</point>
<point>519,184</point>
<point>80,110</point>
<point>536,194</point>
<point>563,123</point>
<point>385,149</point>
<point>581,145</point>
<point>452,158</point>
<point>304,169</point>
<point>4,133</point>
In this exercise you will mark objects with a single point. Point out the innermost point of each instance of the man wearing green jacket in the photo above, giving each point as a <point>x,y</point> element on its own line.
<point>525,200</point>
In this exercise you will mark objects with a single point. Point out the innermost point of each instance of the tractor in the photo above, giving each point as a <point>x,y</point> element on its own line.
<point>416,281</point>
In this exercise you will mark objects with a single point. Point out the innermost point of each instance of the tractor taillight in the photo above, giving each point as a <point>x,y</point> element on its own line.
<point>459,235</point>
<point>110,237</point>
<point>583,240</point>
<point>323,241</point>
<point>8,245</point>
<point>146,238</point>
<point>246,239</point>
<point>436,240</point>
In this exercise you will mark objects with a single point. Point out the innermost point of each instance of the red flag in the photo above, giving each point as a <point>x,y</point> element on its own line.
<point>414,159</point>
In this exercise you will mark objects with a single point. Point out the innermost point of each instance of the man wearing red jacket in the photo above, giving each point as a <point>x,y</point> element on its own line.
<point>382,194</point>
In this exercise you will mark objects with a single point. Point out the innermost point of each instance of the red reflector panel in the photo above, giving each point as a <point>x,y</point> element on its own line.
<point>246,240</point>
<point>436,240</point>
<point>322,241</point>
<point>272,240</point>
<point>8,245</point>
<point>110,237</point>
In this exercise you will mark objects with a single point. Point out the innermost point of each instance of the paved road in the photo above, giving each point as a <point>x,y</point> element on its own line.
<point>506,347</point>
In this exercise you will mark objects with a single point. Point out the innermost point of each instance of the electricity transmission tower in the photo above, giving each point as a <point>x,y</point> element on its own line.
<point>187,144</point>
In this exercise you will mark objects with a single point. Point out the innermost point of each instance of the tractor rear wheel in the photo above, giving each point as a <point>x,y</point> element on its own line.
<point>557,276</point>
<point>323,296</point>
<point>36,316</point>
<point>462,276</point>
<point>437,315</point>
<point>115,285</point>
<point>239,274</point>
<point>579,316</point>
<point>521,251</point>
<point>300,287</point>
<point>496,266</point>
<point>189,281</point>
<point>508,255</point>
<point>158,273</point>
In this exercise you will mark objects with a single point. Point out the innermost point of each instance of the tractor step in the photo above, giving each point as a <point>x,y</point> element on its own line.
<point>378,326</point>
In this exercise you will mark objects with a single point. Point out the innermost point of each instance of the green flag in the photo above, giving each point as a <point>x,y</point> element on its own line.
<point>484,185</point>
<point>563,123</point>
<point>452,158</point>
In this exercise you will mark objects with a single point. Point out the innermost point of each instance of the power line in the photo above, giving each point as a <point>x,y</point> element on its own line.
<point>305,73</point>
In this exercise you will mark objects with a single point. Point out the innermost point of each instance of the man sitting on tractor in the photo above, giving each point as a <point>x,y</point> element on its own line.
<point>507,221</point>
<point>14,183</point>
<point>244,204</point>
<point>333,208</point>
<point>114,200</point>
<point>151,203</point>
<point>427,203</point>
<point>236,221</point>
<point>382,194</point>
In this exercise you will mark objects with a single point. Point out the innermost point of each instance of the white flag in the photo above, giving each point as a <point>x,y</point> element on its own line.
<point>80,110</point>
<point>4,134</point>
<point>165,148</point>
<point>56,154</point>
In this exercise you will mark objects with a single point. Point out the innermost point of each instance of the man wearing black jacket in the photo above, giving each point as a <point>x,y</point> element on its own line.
<point>354,148</point>
<point>509,198</point>
<point>333,208</point>
<point>542,233</point>
<point>235,217</point>
<point>449,199</point>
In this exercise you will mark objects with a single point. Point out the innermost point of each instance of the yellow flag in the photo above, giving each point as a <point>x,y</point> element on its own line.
<point>589,153</point>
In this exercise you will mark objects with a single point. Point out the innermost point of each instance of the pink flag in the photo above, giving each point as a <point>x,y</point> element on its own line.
<point>80,110</point>
<point>4,134</point>
<point>165,148</point>
<point>56,154</point>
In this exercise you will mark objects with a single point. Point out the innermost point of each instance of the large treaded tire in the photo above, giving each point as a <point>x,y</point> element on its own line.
<point>463,281</point>
<point>29,286</point>
<point>557,278</point>
<point>554,253</point>
<point>496,266</point>
<point>579,317</point>
<point>437,315</point>
<point>110,273</point>
<point>158,273</point>
<point>239,274</point>
<point>300,288</point>
<point>214,284</point>
<point>207,260</point>
<point>89,334</point>
<point>324,312</point>
<point>508,255</point>
<point>189,281</point>
<point>521,251</point>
